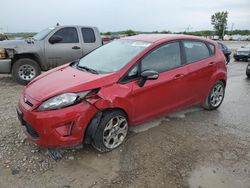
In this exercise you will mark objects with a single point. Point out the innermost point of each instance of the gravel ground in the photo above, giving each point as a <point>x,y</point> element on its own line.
<point>191,148</point>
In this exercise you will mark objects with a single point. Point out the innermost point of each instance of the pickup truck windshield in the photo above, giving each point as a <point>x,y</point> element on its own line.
<point>113,56</point>
<point>42,34</point>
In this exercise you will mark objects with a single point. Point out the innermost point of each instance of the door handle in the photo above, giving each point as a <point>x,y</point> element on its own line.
<point>211,63</point>
<point>76,47</point>
<point>178,76</point>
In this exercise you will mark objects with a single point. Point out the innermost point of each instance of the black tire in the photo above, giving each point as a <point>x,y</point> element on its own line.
<point>98,138</point>
<point>25,64</point>
<point>248,75</point>
<point>208,105</point>
<point>236,59</point>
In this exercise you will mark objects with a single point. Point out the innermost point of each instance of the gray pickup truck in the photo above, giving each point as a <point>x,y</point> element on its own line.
<point>54,46</point>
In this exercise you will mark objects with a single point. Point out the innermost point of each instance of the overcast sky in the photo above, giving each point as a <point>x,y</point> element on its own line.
<point>114,15</point>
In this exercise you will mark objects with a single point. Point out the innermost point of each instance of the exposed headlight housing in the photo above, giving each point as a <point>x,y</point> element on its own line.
<point>62,101</point>
<point>3,54</point>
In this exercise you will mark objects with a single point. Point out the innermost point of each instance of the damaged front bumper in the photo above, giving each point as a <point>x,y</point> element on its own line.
<point>5,66</point>
<point>56,128</point>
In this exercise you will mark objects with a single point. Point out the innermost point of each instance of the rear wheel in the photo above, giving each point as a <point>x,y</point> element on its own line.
<point>248,75</point>
<point>236,59</point>
<point>215,96</point>
<point>24,70</point>
<point>111,131</point>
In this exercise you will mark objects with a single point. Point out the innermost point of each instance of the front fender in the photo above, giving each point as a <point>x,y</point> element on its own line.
<point>117,96</point>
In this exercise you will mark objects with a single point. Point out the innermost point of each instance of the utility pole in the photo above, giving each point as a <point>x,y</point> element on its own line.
<point>232,27</point>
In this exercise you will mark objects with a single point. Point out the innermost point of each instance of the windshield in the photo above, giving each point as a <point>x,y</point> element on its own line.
<point>42,34</point>
<point>113,56</point>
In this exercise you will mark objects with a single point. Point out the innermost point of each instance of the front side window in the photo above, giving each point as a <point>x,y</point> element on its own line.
<point>68,34</point>
<point>163,58</point>
<point>88,35</point>
<point>195,51</point>
<point>113,56</point>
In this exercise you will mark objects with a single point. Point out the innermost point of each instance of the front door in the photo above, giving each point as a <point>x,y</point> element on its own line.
<point>67,50</point>
<point>169,91</point>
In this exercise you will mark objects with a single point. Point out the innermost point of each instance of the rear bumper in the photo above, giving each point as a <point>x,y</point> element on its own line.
<point>56,128</point>
<point>5,66</point>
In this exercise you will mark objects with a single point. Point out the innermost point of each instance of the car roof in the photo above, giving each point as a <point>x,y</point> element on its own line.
<point>164,37</point>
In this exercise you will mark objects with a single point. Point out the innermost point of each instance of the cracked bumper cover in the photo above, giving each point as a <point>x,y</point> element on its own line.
<point>58,128</point>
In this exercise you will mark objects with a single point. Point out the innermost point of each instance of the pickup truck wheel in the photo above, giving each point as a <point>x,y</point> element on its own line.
<point>24,70</point>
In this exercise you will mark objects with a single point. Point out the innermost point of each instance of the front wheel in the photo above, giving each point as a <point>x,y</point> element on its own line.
<point>24,70</point>
<point>215,97</point>
<point>111,131</point>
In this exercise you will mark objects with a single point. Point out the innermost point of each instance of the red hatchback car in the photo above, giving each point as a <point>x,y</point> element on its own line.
<point>121,84</point>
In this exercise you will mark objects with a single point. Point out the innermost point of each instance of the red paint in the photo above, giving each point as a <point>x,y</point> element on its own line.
<point>66,127</point>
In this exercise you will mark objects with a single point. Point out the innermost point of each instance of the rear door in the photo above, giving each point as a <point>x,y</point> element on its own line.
<point>67,50</point>
<point>201,64</point>
<point>90,39</point>
<point>168,92</point>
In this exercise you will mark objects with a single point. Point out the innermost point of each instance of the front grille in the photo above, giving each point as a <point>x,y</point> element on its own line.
<point>31,131</point>
<point>28,127</point>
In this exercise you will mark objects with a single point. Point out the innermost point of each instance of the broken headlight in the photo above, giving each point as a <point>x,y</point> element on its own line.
<point>62,101</point>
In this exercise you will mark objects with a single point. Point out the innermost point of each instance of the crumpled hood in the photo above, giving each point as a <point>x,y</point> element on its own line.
<point>22,46</point>
<point>12,43</point>
<point>66,79</point>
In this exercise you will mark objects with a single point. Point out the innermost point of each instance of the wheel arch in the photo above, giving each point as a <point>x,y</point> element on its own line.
<point>94,122</point>
<point>26,55</point>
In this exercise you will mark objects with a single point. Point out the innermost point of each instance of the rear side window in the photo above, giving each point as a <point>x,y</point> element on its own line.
<point>88,35</point>
<point>68,34</point>
<point>163,58</point>
<point>195,51</point>
<point>212,48</point>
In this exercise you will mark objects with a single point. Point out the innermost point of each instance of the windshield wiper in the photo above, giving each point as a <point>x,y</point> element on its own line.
<point>88,69</point>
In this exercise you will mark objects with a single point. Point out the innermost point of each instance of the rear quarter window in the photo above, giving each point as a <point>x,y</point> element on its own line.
<point>195,51</point>
<point>212,48</point>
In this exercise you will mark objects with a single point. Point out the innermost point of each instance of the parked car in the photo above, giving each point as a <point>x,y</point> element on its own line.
<point>242,53</point>
<point>54,46</point>
<point>3,37</point>
<point>121,84</point>
<point>248,70</point>
<point>225,51</point>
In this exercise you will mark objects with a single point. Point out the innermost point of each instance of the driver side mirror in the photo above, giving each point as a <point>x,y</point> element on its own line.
<point>147,75</point>
<point>55,39</point>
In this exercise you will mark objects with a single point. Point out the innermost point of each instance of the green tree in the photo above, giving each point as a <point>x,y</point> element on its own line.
<point>219,21</point>
<point>129,32</point>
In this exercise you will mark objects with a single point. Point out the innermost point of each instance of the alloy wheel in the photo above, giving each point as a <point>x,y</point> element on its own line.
<point>217,95</point>
<point>115,132</point>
